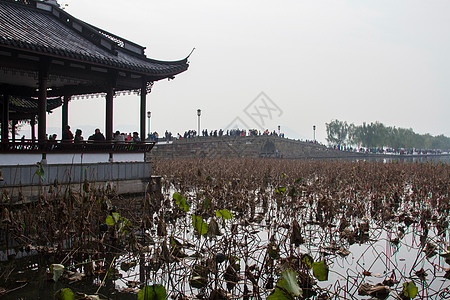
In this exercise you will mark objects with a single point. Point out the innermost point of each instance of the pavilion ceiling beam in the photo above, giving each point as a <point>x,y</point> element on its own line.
<point>77,90</point>
<point>73,71</point>
<point>122,84</point>
<point>18,60</point>
<point>21,116</point>
<point>18,63</point>
<point>78,73</point>
<point>23,91</point>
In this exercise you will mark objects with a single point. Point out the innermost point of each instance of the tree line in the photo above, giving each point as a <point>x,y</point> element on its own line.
<point>377,135</point>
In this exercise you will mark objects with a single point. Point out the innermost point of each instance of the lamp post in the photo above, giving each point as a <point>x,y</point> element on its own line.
<point>149,114</point>
<point>314,132</point>
<point>199,113</point>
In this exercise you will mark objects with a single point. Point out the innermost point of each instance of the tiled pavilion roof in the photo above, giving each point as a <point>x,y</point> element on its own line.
<point>46,53</point>
<point>24,108</point>
<point>34,29</point>
<point>38,30</point>
<point>30,105</point>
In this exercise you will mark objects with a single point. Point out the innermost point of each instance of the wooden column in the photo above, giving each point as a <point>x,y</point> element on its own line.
<point>143,109</point>
<point>5,119</point>
<point>111,86</point>
<point>33,129</point>
<point>42,101</point>
<point>109,114</point>
<point>13,130</point>
<point>65,114</point>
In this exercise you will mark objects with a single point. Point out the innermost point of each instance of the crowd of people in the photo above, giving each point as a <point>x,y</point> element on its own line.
<point>168,136</point>
<point>97,136</point>
<point>380,150</point>
<point>239,132</point>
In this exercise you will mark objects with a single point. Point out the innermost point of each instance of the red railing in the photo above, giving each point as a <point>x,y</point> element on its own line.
<point>29,146</point>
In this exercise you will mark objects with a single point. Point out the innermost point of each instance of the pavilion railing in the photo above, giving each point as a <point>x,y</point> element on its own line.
<point>29,146</point>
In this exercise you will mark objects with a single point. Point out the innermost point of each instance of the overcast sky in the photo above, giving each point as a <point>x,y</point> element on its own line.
<point>314,61</point>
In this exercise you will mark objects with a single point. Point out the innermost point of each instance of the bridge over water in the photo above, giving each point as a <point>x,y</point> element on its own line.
<point>266,147</point>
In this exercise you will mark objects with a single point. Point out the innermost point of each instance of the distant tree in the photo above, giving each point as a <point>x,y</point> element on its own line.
<point>378,135</point>
<point>354,135</point>
<point>366,135</point>
<point>405,136</point>
<point>440,142</point>
<point>337,132</point>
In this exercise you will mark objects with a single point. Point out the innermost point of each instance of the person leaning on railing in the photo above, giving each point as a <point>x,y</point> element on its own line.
<point>118,137</point>
<point>97,136</point>
<point>67,135</point>
<point>136,137</point>
<point>78,138</point>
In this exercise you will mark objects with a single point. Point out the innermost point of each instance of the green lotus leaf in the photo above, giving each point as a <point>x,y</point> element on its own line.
<point>181,202</point>
<point>281,190</point>
<point>287,287</point>
<point>288,282</point>
<point>320,270</point>
<point>279,294</point>
<point>410,290</point>
<point>153,292</point>
<point>64,294</point>
<point>199,225</point>
<point>224,214</point>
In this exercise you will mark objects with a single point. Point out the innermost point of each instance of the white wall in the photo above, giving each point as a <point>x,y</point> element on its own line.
<point>19,159</point>
<point>32,159</point>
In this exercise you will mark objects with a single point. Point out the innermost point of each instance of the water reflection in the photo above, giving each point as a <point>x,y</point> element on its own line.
<point>392,219</point>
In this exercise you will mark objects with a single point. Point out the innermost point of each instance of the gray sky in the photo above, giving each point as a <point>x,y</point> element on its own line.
<point>356,61</point>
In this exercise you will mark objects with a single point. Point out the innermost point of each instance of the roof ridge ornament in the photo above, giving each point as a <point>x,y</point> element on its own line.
<point>191,52</point>
<point>51,2</point>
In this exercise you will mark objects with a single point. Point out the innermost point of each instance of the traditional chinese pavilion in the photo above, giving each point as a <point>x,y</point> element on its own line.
<point>45,53</point>
<point>48,57</point>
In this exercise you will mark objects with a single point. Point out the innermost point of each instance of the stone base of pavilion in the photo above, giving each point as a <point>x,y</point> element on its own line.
<point>28,194</point>
<point>30,171</point>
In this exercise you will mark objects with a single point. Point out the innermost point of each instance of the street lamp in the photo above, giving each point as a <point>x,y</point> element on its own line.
<point>199,113</point>
<point>149,114</point>
<point>314,130</point>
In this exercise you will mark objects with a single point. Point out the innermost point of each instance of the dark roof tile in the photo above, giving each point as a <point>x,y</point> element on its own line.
<point>30,105</point>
